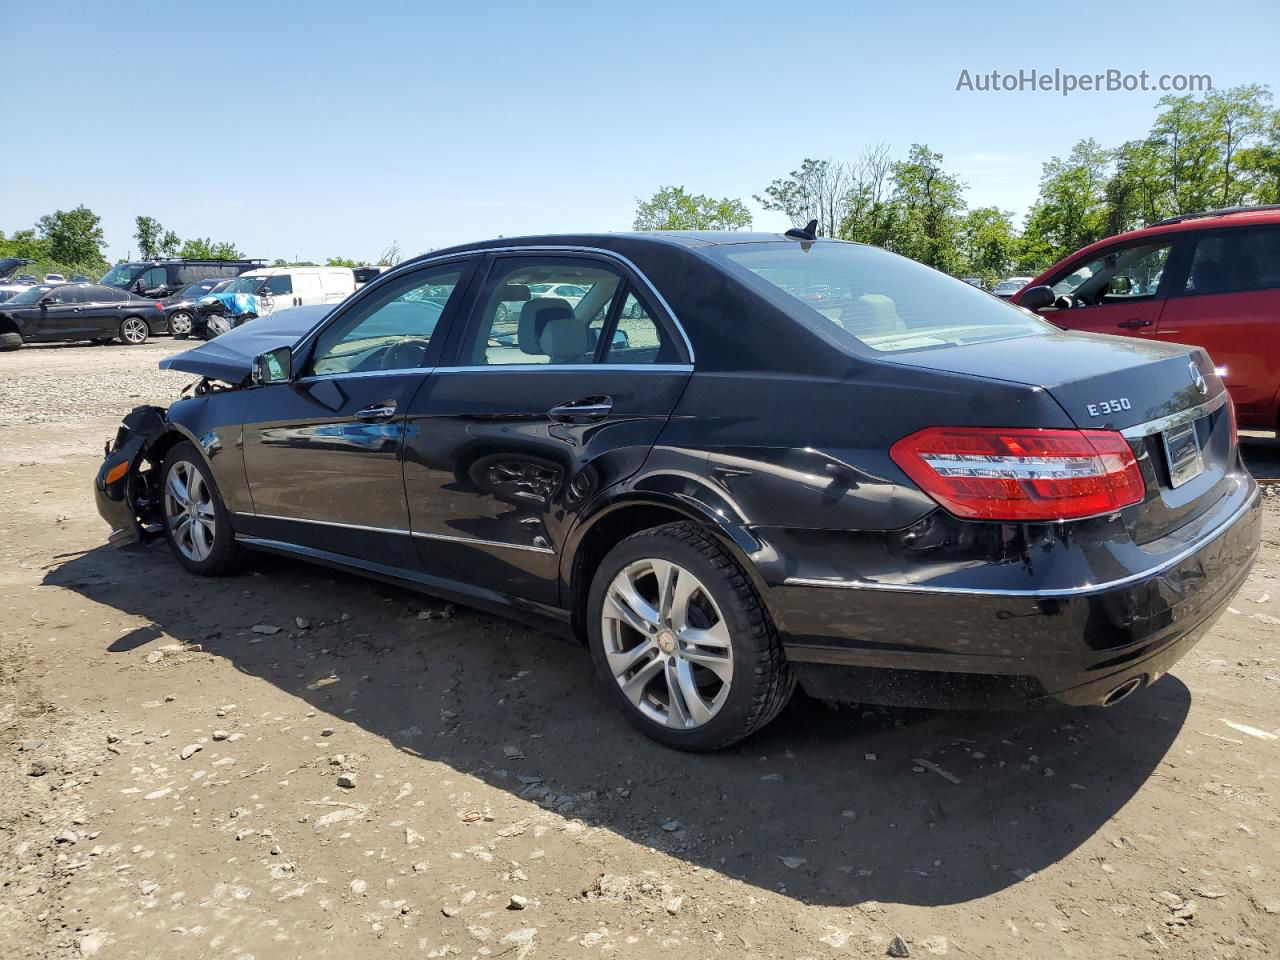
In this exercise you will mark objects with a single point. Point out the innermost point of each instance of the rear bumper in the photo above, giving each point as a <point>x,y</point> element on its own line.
<point>1001,649</point>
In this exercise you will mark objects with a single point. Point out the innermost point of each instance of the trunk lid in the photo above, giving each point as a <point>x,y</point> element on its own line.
<point>1165,398</point>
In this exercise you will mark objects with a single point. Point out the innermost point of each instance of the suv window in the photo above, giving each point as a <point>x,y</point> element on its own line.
<point>519,319</point>
<point>278,285</point>
<point>1118,276</point>
<point>153,278</point>
<point>1235,261</point>
<point>392,329</point>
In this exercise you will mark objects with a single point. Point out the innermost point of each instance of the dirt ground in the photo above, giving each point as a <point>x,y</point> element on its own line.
<point>173,752</point>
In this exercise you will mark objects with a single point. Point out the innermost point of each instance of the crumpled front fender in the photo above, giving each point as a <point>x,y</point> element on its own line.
<point>124,494</point>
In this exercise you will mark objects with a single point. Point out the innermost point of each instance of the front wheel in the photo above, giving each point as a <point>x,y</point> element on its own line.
<point>196,522</point>
<point>134,331</point>
<point>10,341</point>
<point>180,325</point>
<point>682,642</point>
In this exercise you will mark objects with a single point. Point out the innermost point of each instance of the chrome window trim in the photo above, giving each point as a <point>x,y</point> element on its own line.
<point>1161,424</point>
<point>524,249</point>
<point>597,367</point>
<point>399,532</point>
<point>1088,588</point>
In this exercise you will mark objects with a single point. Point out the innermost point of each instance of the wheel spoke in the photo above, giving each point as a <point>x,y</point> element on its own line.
<point>623,592</point>
<point>178,487</point>
<point>694,706</point>
<point>716,637</point>
<point>622,663</point>
<point>684,587</point>
<point>666,574</point>
<point>205,509</point>
<point>633,688</point>
<point>201,540</point>
<point>717,663</point>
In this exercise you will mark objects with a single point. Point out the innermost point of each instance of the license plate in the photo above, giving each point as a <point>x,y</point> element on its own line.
<point>1182,451</point>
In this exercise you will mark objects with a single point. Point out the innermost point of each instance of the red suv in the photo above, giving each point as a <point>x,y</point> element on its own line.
<point>1210,279</point>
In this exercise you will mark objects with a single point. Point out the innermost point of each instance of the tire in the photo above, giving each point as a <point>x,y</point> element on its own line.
<point>180,325</point>
<point>10,341</point>
<point>720,690</point>
<point>134,331</point>
<point>205,543</point>
<point>502,314</point>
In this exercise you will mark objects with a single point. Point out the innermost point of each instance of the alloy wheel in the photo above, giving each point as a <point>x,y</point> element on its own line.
<point>134,330</point>
<point>667,643</point>
<point>189,511</point>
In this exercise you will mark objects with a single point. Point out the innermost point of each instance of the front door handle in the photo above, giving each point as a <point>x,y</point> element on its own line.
<point>1133,323</point>
<point>585,410</point>
<point>378,412</point>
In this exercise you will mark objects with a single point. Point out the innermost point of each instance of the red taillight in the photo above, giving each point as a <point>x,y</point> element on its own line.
<point>160,307</point>
<point>985,473</point>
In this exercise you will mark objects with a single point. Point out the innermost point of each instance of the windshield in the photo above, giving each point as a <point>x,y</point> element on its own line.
<point>32,294</point>
<point>243,285</point>
<point>197,289</point>
<point>121,274</point>
<point>875,298</point>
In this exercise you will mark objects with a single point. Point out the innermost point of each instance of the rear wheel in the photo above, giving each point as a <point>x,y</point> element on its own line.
<point>682,642</point>
<point>196,522</point>
<point>134,331</point>
<point>10,341</point>
<point>180,325</point>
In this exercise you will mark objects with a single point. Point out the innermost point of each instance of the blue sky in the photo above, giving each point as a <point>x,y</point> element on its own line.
<point>331,129</point>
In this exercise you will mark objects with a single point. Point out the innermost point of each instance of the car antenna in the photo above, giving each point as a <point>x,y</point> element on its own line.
<point>808,232</point>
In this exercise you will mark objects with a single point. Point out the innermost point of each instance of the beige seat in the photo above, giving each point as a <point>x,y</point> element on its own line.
<point>871,314</point>
<point>548,327</point>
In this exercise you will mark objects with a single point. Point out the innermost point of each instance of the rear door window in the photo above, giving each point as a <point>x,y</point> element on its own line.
<point>1234,261</point>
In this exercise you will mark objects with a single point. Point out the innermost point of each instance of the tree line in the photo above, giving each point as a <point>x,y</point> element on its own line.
<point>1201,153</point>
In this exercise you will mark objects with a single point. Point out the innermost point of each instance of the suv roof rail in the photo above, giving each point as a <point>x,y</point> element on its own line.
<point>1225,211</point>
<point>202,260</point>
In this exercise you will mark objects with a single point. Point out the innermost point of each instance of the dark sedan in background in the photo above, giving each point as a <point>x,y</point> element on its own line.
<point>903,491</point>
<point>181,309</point>
<point>77,311</point>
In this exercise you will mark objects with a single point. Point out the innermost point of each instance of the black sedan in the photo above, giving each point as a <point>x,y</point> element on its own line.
<point>906,492</point>
<point>77,311</point>
<point>180,309</point>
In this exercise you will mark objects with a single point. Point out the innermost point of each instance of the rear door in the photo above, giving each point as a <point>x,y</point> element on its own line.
<point>543,405</point>
<point>1228,302</point>
<point>1121,290</point>
<point>322,451</point>
<point>307,289</point>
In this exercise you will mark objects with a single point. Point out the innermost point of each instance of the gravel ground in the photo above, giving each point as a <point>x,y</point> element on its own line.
<point>299,763</point>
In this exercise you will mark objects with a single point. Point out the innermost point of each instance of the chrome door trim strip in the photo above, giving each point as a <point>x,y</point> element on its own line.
<point>1177,558</point>
<point>1161,424</point>
<point>598,367</point>
<point>476,541</point>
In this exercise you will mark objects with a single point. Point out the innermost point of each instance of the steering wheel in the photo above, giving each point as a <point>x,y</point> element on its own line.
<point>396,356</point>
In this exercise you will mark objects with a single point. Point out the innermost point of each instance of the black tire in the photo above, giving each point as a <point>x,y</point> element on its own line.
<point>180,325</point>
<point>10,341</point>
<point>226,556</point>
<point>134,331</point>
<point>762,681</point>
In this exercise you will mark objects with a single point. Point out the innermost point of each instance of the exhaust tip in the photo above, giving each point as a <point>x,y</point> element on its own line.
<point>1122,692</point>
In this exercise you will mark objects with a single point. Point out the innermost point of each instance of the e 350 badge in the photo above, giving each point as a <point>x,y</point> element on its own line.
<point>1108,407</point>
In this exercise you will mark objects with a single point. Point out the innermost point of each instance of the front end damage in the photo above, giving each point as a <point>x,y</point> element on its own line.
<point>127,487</point>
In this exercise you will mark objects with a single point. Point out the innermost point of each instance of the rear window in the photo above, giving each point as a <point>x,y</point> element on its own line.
<point>874,298</point>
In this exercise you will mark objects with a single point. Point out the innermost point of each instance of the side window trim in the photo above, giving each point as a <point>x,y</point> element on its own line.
<point>459,305</point>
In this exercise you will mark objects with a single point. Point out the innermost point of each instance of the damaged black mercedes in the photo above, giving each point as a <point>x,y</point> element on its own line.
<point>904,492</point>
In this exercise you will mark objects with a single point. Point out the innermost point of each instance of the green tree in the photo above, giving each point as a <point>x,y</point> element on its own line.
<point>819,190</point>
<point>25,244</point>
<point>870,214</point>
<point>1071,210</point>
<point>988,242</point>
<point>74,237</point>
<point>341,262</point>
<point>154,240</point>
<point>929,204</point>
<point>674,208</point>
<point>206,249</point>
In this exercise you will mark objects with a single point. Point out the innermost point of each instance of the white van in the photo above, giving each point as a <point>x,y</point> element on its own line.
<point>285,287</point>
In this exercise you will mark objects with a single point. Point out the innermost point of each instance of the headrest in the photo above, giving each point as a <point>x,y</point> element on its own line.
<point>565,339</point>
<point>534,316</point>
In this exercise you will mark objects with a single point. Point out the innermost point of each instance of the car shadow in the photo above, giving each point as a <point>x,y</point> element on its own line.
<point>902,806</point>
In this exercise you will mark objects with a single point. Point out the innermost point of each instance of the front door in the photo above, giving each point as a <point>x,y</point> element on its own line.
<point>1229,303</point>
<point>323,462</point>
<point>62,315</point>
<point>1120,291</point>
<point>545,404</point>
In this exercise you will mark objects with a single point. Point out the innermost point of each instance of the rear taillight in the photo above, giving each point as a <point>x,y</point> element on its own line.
<point>160,307</point>
<point>985,473</point>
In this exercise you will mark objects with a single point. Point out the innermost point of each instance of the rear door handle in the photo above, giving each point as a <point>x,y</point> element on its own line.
<point>378,412</point>
<point>584,410</point>
<point>1133,323</point>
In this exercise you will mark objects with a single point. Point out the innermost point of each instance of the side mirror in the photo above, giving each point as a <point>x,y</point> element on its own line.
<point>274,366</point>
<point>1037,298</point>
<point>1120,286</point>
